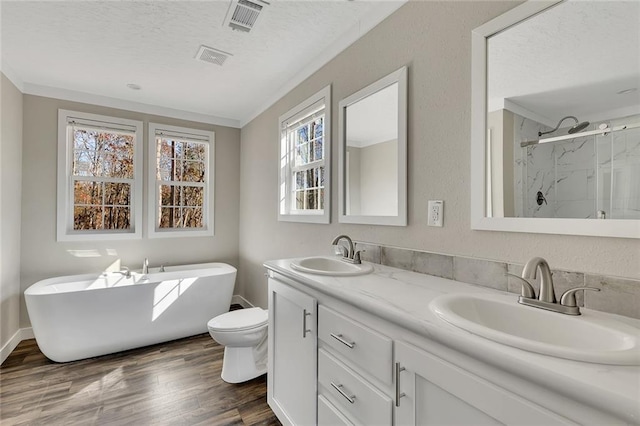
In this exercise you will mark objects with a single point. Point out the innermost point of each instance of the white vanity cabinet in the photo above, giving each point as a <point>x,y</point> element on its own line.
<point>433,391</point>
<point>292,378</point>
<point>333,361</point>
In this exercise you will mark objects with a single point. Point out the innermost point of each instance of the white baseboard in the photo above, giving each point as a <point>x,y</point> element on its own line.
<point>237,299</point>
<point>19,336</point>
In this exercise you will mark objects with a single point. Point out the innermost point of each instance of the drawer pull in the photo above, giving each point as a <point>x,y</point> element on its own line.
<point>351,398</point>
<point>398,393</point>
<point>304,323</point>
<point>339,338</point>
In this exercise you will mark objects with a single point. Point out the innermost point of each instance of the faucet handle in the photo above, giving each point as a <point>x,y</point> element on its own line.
<point>356,256</point>
<point>527,289</point>
<point>568,298</point>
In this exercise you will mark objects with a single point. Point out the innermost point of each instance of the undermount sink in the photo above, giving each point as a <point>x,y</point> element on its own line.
<point>330,266</point>
<point>589,337</point>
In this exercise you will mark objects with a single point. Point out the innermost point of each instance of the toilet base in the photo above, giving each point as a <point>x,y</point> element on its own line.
<point>240,365</point>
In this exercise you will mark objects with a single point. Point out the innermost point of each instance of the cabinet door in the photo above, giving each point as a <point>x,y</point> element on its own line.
<point>439,393</point>
<point>292,367</point>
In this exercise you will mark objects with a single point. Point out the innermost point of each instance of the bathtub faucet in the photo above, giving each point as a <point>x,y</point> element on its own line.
<point>124,271</point>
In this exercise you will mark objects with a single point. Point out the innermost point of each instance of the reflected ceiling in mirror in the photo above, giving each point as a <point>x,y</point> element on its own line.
<point>556,119</point>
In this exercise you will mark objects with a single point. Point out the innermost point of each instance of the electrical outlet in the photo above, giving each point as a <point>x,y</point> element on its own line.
<point>435,213</point>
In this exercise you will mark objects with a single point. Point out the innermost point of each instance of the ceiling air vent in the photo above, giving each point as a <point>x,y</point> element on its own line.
<point>214,56</point>
<point>242,14</point>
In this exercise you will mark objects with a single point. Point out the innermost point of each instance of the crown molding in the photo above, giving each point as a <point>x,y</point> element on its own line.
<point>88,98</point>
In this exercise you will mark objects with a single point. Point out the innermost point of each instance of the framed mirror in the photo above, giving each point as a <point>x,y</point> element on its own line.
<point>372,143</point>
<point>555,130</point>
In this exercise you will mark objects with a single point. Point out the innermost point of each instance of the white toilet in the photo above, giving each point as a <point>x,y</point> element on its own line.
<point>243,333</point>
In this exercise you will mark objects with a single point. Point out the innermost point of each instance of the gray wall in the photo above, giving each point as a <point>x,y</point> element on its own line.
<point>433,39</point>
<point>43,257</point>
<point>10,182</point>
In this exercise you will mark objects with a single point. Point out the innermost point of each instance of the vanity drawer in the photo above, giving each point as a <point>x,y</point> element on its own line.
<point>328,415</point>
<point>360,401</point>
<point>368,349</point>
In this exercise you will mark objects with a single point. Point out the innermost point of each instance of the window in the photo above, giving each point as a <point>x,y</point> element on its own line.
<point>99,177</point>
<point>180,181</point>
<point>304,184</point>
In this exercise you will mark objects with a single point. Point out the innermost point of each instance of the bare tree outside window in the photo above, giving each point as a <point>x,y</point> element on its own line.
<point>103,173</point>
<point>181,174</point>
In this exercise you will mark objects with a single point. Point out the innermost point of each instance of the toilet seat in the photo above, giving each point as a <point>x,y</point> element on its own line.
<point>239,320</point>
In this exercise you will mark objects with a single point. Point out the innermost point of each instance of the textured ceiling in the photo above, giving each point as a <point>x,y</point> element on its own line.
<point>571,59</point>
<point>98,47</point>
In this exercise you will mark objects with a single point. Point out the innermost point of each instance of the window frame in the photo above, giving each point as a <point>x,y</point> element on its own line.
<point>65,178</point>
<point>153,184</point>
<point>286,162</point>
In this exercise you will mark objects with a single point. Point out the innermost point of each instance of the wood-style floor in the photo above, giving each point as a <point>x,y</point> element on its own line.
<point>174,383</point>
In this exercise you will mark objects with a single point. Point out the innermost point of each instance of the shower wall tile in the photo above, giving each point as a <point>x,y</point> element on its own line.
<point>571,185</point>
<point>618,295</point>
<point>575,154</point>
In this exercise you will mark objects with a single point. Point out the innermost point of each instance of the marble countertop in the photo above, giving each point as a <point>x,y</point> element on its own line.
<point>403,298</point>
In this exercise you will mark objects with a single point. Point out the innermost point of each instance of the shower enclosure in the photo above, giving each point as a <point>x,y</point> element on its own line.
<point>584,176</point>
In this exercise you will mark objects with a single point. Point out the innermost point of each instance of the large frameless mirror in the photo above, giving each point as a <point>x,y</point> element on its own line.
<point>556,119</point>
<point>372,128</point>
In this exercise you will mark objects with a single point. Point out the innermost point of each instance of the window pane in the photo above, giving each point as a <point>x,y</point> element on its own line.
<point>191,217</point>
<point>83,164</point>
<point>318,149</point>
<point>303,135</point>
<point>117,218</point>
<point>102,153</point>
<point>193,171</point>
<point>302,155</point>
<point>193,196</point>
<point>169,195</point>
<point>87,218</point>
<point>318,127</point>
<point>194,151</point>
<point>117,194</point>
<point>308,199</point>
<point>169,217</point>
<point>87,193</point>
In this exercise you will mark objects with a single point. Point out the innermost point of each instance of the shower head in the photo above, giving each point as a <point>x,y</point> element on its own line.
<point>576,127</point>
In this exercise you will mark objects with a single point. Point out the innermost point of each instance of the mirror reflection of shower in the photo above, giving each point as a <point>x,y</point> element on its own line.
<point>574,129</point>
<point>593,174</point>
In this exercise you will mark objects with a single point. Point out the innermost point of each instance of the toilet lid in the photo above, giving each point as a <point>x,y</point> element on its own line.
<point>241,319</point>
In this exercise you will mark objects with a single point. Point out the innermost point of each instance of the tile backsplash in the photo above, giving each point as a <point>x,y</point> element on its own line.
<point>617,295</point>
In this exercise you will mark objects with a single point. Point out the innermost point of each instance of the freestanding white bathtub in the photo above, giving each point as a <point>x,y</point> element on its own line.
<point>83,316</point>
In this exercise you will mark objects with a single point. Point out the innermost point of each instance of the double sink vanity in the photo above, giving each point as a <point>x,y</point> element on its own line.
<point>370,344</point>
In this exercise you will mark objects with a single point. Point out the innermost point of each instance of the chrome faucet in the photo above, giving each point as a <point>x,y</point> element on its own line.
<point>124,271</point>
<point>547,297</point>
<point>351,255</point>
<point>547,292</point>
<point>145,266</point>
